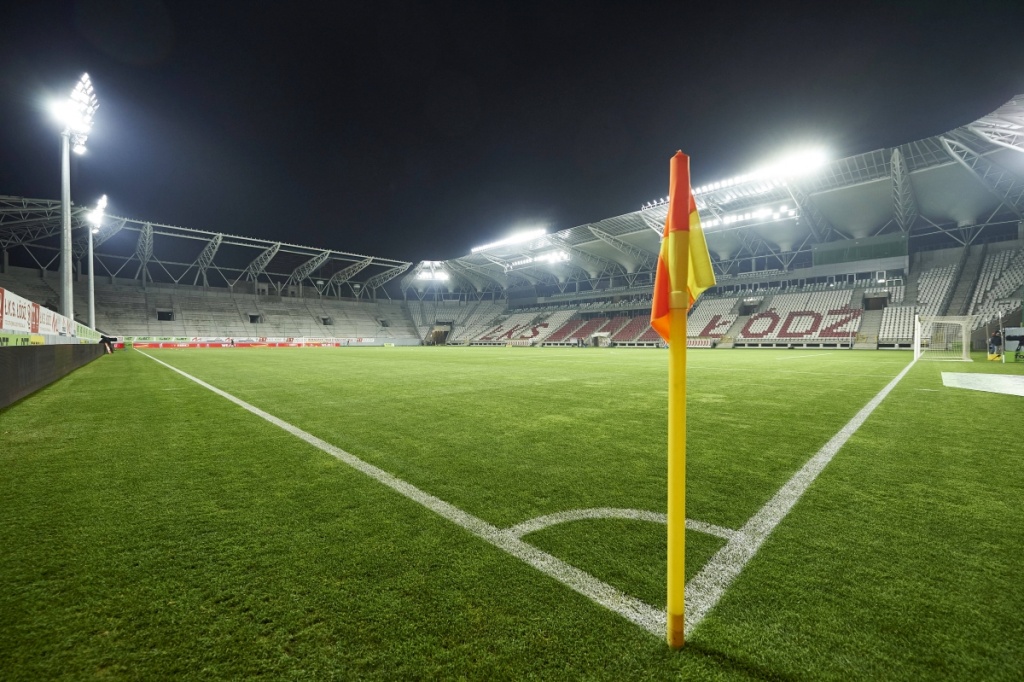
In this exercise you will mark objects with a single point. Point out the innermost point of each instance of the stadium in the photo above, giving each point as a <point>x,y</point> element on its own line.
<point>309,462</point>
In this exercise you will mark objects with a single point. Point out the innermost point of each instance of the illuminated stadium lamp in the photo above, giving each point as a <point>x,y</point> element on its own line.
<point>553,257</point>
<point>96,215</point>
<point>514,239</point>
<point>76,115</point>
<point>96,218</point>
<point>791,165</point>
<point>795,164</point>
<point>763,214</point>
<point>438,276</point>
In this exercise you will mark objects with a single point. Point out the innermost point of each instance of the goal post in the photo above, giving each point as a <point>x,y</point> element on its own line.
<point>939,337</point>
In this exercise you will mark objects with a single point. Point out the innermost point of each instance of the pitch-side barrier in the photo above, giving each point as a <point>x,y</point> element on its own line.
<point>39,346</point>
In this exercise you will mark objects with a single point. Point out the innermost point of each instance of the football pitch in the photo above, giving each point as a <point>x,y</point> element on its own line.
<point>497,513</point>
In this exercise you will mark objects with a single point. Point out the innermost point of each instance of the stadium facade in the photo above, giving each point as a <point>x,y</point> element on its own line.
<point>843,256</point>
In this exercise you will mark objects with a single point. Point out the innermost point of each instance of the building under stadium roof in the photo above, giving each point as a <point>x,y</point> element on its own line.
<point>846,219</point>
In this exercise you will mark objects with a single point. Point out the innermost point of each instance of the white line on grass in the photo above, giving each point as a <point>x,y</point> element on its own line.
<point>708,586</point>
<point>632,609</point>
<point>783,371</point>
<point>808,355</point>
<point>703,591</point>
<point>542,522</point>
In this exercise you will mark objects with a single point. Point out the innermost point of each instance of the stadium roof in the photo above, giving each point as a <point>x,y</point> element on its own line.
<point>956,184</point>
<point>151,252</point>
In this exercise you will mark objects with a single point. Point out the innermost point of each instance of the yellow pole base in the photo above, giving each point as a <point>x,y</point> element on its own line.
<point>676,628</point>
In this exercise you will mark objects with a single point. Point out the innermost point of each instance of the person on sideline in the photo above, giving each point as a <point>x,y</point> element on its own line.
<point>994,343</point>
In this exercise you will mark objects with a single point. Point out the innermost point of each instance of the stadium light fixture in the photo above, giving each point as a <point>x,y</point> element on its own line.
<point>762,215</point>
<point>96,215</point>
<point>795,164</point>
<point>432,270</point>
<point>790,165</point>
<point>553,257</point>
<point>517,238</point>
<point>76,115</point>
<point>96,218</point>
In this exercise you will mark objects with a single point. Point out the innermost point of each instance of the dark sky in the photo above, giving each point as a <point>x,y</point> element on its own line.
<point>419,130</point>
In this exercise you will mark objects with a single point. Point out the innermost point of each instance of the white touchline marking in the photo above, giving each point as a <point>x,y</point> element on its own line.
<point>705,589</point>
<point>542,522</point>
<point>646,616</point>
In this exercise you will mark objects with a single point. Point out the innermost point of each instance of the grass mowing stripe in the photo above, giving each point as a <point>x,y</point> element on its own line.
<point>710,584</point>
<point>649,618</point>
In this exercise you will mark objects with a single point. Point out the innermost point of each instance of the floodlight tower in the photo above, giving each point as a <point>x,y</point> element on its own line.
<point>96,218</point>
<point>76,115</point>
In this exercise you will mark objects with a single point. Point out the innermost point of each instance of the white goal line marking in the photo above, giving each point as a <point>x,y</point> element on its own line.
<point>705,589</point>
<point>632,609</point>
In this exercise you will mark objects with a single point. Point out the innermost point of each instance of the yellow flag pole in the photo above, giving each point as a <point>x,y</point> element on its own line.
<point>679,303</point>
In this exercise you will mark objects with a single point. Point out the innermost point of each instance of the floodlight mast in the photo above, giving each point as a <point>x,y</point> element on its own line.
<point>77,115</point>
<point>96,218</point>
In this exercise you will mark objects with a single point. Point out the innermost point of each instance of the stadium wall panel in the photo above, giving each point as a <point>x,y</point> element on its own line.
<point>26,369</point>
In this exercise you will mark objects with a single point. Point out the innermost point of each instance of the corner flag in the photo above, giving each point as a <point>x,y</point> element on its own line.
<point>684,256</point>
<point>684,271</point>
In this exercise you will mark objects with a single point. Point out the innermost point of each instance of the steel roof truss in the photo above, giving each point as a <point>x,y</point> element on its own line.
<point>205,259</point>
<point>904,202</point>
<point>641,259</point>
<point>144,251</point>
<point>259,265</point>
<point>601,266</point>
<point>344,275</point>
<point>1011,138</point>
<point>382,278</point>
<point>818,223</point>
<point>1001,183</point>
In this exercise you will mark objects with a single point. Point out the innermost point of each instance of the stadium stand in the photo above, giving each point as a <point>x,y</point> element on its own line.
<point>588,328</point>
<point>631,333</point>
<point>613,325</point>
<point>934,287</point>
<point>711,317</point>
<point>478,320</point>
<point>818,314</point>
<point>1002,276</point>
<point>816,317</point>
<point>561,335</point>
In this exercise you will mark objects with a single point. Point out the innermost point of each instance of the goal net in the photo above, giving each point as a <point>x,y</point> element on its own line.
<point>942,338</point>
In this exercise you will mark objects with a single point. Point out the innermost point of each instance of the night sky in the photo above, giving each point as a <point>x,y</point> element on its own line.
<point>419,130</point>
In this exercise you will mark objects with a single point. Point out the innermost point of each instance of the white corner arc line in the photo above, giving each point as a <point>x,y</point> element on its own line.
<point>705,589</point>
<point>632,609</point>
<point>541,522</point>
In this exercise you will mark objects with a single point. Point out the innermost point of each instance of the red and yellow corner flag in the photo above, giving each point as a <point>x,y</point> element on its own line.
<point>684,271</point>
<point>682,244</point>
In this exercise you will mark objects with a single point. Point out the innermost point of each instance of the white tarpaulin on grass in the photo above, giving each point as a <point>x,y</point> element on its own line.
<point>990,383</point>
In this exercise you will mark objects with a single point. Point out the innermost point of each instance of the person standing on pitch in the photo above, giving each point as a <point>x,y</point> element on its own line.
<point>994,342</point>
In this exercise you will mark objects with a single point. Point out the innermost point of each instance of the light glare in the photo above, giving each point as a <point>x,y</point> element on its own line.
<point>96,215</point>
<point>514,239</point>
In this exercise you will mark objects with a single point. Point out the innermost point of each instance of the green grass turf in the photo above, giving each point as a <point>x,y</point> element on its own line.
<point>152,529</point>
